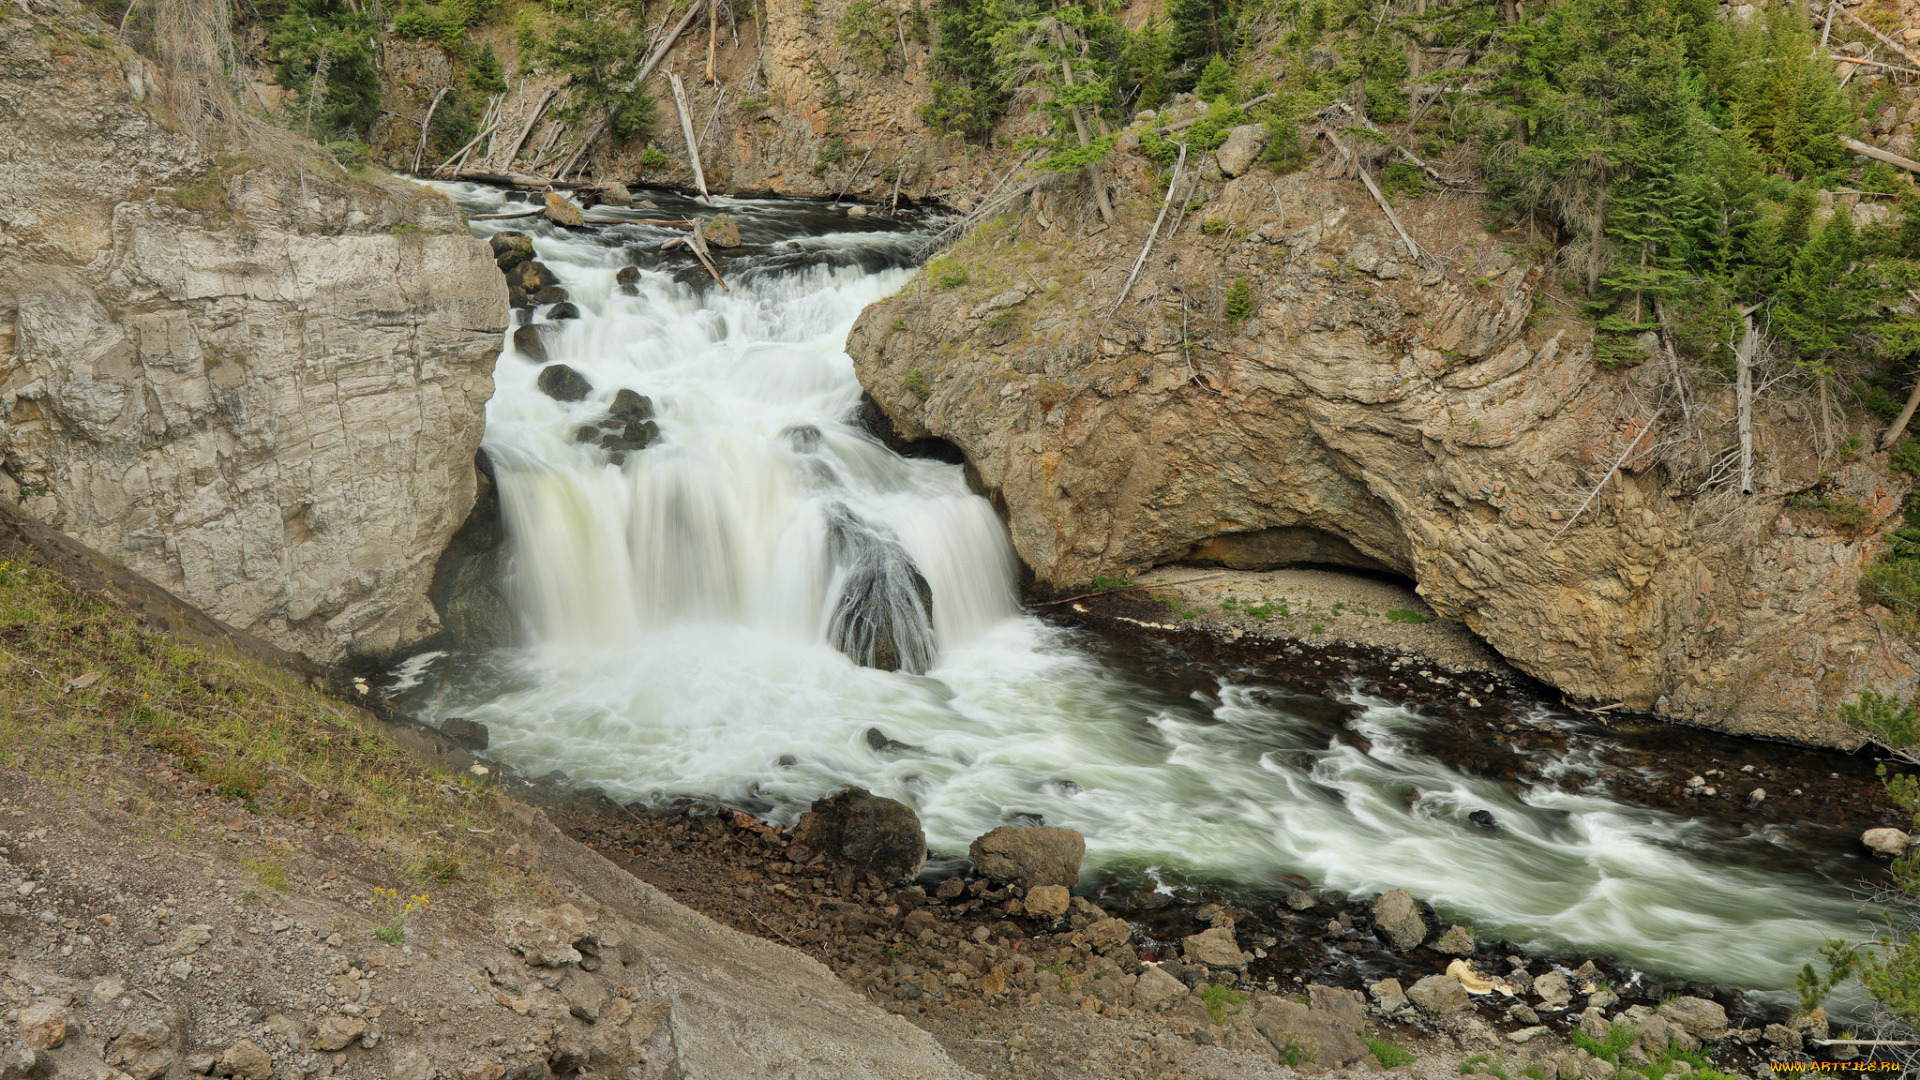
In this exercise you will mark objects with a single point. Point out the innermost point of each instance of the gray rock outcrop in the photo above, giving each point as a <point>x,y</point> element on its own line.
<point>261,393</point>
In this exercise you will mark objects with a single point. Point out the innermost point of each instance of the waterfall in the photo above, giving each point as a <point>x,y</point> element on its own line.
<point>755,601</point>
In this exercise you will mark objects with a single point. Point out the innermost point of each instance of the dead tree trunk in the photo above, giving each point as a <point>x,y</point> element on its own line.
<point>1899,424</point>
<point>1743,397</point>
<point>424,125</point>
<point>686,131</point>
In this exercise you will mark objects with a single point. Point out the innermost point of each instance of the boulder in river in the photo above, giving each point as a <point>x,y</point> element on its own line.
<point>526,341</point>
<point>532,276</point>
<point>862,832</point>
<point>1457,941</point>
<point>1029,856</point>
<point>1553,991</point>
<point>627,275</point>
<point>466,732</point>
<point>1398,916</point>
<point>721,231</point>
<point>616,195</point>
<point>1439,995</point>
<point>510,249</point>
<point>551,294</point>
<point>884,616</point>
<point>563,211</point>
<point>1215,948</point>
<point>1886,841</point>
<point>562,383</point>
<point>637,435</point>
<point>563,310</point>
<point>628,405</point>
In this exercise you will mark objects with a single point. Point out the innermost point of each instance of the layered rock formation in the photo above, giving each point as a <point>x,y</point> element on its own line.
<point>254,378</point>
<point>1441,420</point>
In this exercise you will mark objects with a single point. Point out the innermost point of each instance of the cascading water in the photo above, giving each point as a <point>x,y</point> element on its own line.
<point>693,613</point>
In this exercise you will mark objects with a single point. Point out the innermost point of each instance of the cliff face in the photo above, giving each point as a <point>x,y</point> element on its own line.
<point>253,378</point>
<point>1439,421</point>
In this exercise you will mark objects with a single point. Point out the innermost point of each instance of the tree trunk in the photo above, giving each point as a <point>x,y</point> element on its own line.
<point>1094,173</point>
<point>1900,422</point>
<point>1743,399</point>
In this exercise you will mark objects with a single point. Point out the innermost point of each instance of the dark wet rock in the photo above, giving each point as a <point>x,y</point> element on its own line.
<point>563,310</point>
<point>465,732</point>
<point>627,275</point>
<point>616,195</point>
<point>864,833</point>
<point>1483,818</point>
<point>1457,941</point>
<point>468,589</point>
<point>551,294</point>
<point>805,438</point>
<point>1398,916</point>
<point>526,341</point>
<point>1029,856</point>
<point>879,743</point>
<point>635,436</point>
<point>1301,900</point>
<point>586,433</point>
<point>532,276</point>
<point>517,298</point>
<point>510,249</point>
<point>628,405</point>
<point>562,383</point>
<point>884,617</point>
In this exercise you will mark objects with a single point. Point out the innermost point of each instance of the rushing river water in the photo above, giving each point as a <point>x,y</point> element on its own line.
<point>678,611</point>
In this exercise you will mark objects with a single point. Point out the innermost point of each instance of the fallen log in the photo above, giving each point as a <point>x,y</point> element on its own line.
<point>698,242</point>
<point>1179,166</point>
<point>535,212</point>
<point>527,128</point>
<point>424,124</point>
<point>1878,154</point>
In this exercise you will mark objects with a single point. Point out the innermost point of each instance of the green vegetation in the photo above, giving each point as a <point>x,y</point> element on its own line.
<point>654,158</point>
<point>1390,1055</point>
<point>917,384</point>
<point>269,872</point>
<point>445,22</point>
<point>393,910</point>
<point>868,32</point>
<point>1618,1038</point>
<point>322,52</point>
<point>1401,180</point>
<point>1405,615</point>
<point>594,47</point>
<point>1103,583</point>
<point>1222,1002</point>
<point>83,679</point>
<point>947,273</point>
<point>1239,300</point>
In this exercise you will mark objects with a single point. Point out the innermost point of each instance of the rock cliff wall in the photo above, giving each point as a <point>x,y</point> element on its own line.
<point>251,376</point>
<point>1440,420</point>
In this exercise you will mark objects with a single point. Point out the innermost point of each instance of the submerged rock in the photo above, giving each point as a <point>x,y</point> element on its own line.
<point>551,294</point>
<point>1029,857</point>
<point>526,341</point>
<point>864,833</point>
<point>616,195</point>
<point>884,618</point>
<point>634,436</point>
<point>562,383</point>
<point>510,249</point>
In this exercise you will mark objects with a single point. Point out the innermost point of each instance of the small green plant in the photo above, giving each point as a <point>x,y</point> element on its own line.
<point>948,274</point>
<point>395,910</point>
<point>1906,457</point>
<point>653,158</point>
<point>1888,719</point>
<point>1388,1054</point>
<point>1239,300</point>
<point>438,868</point>
<point>1483,1063</point>
<point>1405,615</point>
<point>1850,449</point>
<point>1222,1001</point>
<point>1214,226</point>
<point>1263,612</point>
<point>1619,1037</point>
<point>1317,628</point>
<point>1840,510</point>
<point>900,326</point>
<point>1103,583</point>
<point>917,384</point>
<point>269,872</point>
<point>867,30</point>
<point>1403,180</point>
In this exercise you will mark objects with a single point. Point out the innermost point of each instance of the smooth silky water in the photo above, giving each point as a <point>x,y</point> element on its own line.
<point>676,612</point>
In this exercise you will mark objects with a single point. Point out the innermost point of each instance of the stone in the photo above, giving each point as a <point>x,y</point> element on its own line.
<point>1439,995</point>
<point>1348,1005</point>
<point>1396,914</point>
<point>247,1061</point>
<point>856,211</point>
<point>721,230</point>
<point>532,276</point>
<point>1215,948</point>
<point>190,939</point>
<point>1154,990</point>
<point>1388,996</point>
<point>1553,991</point>
<point>586,995</point>
<point>1048,901</point>
<point>1457,941</point>
<point>616,195</point>
<point>1891,842</point>
<point>510,249</point>
<point>1107,934</point>
<point>142,1051</point>
<point>466,732</point>
<point>1029,856</point>
<point>628,405</point>
<point>1704,1020</point>
<point>1471,977</point>
<point>635,436</point>
<point>562,311</point>
<point>552,294</point>
<point>1595,1024</point>
<point>563,211</point>
<point>108,989</point>
<point>1781,1036</point>
<point>1243,147</point>
<point>1301,900</point>
<point>1526,1034</point>
<point>627,275</point>
<point>861,832</point>
<point>338,1033</point>
<point>1309,1035</point>
<point>526,341</point>
<point>43,1024</point>
<point>1522,1013</point>
<point>562,383</point>
<point>547,938</point>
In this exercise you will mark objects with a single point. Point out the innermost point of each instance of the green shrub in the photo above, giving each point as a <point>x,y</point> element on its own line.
<point>1906,457</point>
<point>1401,179</point>
<point>1619,1037</point>
<point>1389,1055</point>
<point>948,274</point>
<point>1405,615</point>
<point>1222,1002</point>
<point>653,158</point>
<point>868,32</point>
<point>917,384</point>
<point>1239,300</point>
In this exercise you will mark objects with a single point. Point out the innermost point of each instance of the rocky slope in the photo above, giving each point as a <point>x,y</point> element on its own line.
<point>1437,419</point>
<point>255,378</point>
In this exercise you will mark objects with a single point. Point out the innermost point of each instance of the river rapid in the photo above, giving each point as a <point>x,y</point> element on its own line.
<point>678,611</point>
